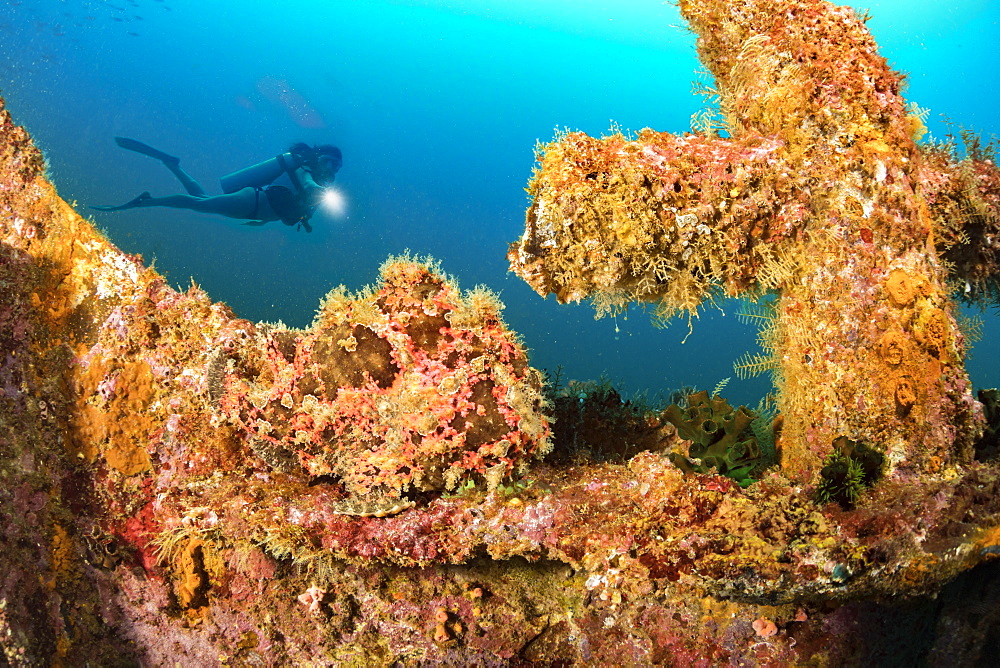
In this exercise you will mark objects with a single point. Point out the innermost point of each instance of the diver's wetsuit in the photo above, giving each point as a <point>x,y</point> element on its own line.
<point>291,205</point>
<point>291,208</point>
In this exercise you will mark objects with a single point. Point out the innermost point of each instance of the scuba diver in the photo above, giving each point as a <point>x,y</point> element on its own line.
<point>303,173</point>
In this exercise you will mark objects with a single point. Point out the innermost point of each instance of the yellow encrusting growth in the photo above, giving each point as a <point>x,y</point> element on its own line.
<point>819,197</point>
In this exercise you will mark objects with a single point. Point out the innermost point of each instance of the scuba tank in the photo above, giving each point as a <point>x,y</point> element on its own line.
<point>260,174</point>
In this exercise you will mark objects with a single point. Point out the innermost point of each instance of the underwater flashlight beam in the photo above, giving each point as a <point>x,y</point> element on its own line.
<point>334,202</point>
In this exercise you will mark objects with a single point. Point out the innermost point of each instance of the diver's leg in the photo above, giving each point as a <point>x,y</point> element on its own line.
<point>171,162</point>
<point>131,204</point>
<point>240,204</point>
<point>145,200</point>
<point>190,185</point>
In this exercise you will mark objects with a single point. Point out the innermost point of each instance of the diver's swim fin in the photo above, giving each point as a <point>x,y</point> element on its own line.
<point>146,149</point>
<point>131,204</point>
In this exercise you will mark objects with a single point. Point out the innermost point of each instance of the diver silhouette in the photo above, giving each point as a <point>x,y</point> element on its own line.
<point>307,170</point>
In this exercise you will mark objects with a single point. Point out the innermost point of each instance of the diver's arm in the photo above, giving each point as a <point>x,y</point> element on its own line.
<point>289,165</point>
<point>313,191</point>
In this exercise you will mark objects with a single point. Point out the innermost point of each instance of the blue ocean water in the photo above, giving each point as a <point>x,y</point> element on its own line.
<point>437,105</point>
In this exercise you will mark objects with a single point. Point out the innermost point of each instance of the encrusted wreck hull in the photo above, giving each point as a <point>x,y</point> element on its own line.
<point>183,486</point>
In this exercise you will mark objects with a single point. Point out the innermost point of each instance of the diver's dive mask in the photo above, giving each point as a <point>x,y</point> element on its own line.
<point>329,165</point>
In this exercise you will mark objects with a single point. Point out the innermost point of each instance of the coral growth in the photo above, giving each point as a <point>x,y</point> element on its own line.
<point>185,487</point>
<point>851,468</point>
<point>988,446</point>
<point>593,423</point>
<point>407,387</point>
<point>961,190</point>
<point>820,196</point>
<point>721,438</point>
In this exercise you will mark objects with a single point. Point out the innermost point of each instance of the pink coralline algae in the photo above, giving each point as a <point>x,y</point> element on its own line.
<point>407,387</point>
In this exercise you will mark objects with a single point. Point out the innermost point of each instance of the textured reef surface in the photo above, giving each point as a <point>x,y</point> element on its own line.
<point>396,485</point>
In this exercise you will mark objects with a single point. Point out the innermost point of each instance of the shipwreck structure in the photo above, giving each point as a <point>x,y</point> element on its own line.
<point>819,197</point>
<point>388,487</point>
